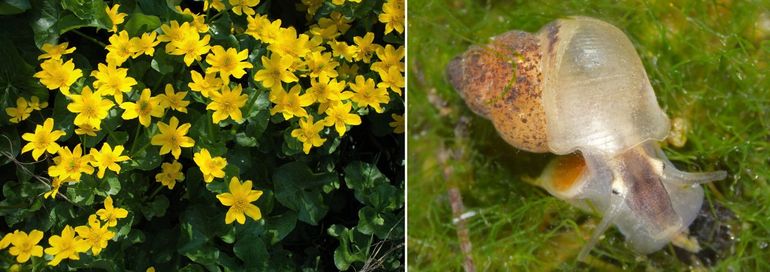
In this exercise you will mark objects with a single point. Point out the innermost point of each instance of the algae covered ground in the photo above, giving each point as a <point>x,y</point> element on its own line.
<point>708,63</point>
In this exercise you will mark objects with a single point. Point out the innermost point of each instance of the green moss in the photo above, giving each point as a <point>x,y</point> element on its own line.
<point>708,64</point>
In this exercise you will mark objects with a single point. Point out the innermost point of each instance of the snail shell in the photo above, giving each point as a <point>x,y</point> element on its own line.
<point>576,84</point>
<point>579,85</point>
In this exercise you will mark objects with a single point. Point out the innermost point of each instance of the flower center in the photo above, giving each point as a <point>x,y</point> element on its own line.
<point>173,140</point>
<point>144,108</point>
<point>240,204</point>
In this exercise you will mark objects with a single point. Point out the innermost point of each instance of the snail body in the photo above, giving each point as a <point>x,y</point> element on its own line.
<point>578,88</point>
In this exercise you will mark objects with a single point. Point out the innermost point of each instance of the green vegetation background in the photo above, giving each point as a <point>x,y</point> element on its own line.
<point>708,63</point>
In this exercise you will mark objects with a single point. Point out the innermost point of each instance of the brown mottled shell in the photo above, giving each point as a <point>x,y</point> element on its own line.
<point>502,82</point>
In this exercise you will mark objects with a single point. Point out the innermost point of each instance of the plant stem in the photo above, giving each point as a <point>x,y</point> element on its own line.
<point>157,190</point>
<point>90,38</point>
<point>136,136</point>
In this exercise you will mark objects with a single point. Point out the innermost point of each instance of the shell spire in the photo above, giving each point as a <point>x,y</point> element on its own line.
<point>501,81</point>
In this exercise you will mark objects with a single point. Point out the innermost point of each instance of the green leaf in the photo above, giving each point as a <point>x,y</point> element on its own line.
<point>162,62</point>
<point>117,138</point>
<point>280,226</point>
<point>43,18</point>
<point>140,23</point>
<point>386,225</point>
<point>353,247</point>
<point>250,248</point>
<point>113,182</point>
<point>83,192</point>
<point>11,7</point>
<point>299,189</point>
<point>146,159</point>
<point>93,12</point>
<point>156,208</point>
<point>63,119</point>
<point>362,177</point>
<point>245,140</point>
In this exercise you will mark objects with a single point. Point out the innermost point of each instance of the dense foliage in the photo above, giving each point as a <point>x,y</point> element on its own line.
<point>223,135</point>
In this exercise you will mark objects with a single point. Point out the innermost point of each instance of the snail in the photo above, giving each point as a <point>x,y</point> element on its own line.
<point>578,88</point>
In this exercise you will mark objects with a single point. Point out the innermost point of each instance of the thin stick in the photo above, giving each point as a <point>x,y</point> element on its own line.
<point>455,197</point>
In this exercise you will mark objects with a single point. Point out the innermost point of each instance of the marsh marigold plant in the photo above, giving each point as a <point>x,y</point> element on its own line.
<point>239,135</point>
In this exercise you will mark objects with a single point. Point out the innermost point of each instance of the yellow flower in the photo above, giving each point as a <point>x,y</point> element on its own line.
<point>216,4</point>
<point>342,49</point>
<point>55,185</point>
<point>60,75</point>
<point>389,56</point>
<point>327,91</point>
<point>392,78</point>
<point>342,22</point>
<point>19,113</point>
<point>255,26</point>
<point>44,139</point>
<point>173,100</point>
<point>307,133</point>
<point>341,2</point>
<point>397,124</point>
<point>325,29</point>
<point>205,85</point>
<point>25,246</point>
<point>239,200</point>
<point>119,49</point>
<point>365,47</point>
<point>339,116</point>
<point>55,51</point>
<point>145,108</point>
<point>321,65</point>
<point>66,246</point>
<point>94,234</point>
<point>172,172</point>
<point>347,71</point>
<point>269,30</point>
<point>35,104</point>
<point>311,7</point>
<point>86,129</point>
<point>275,70</point>
<point>144,45</point>
<point>244,6</point>
<point>199,21</point>
<point>174,32</point>
<point>290,104</point>
<point>7,238</point>
<point>290,45</point>
<point>393,15</point>
<point>90,107</point>
<point>367,95</point>
<point>227,104</point>
<point>107,158</point>
<point>112,81</point>
<point>172,137</point>
<point>191,46</point>
<point>226,63</point>
<point>115,16</point>
<point>110,214</point>
<point>210,167</point>
<point>330,28</point>
<point>70,164</point>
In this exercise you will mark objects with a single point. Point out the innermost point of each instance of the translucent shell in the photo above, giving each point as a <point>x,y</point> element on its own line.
<point>596,94</point>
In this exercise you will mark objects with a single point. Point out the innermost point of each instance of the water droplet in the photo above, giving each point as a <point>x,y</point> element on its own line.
<point>762,245</point>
